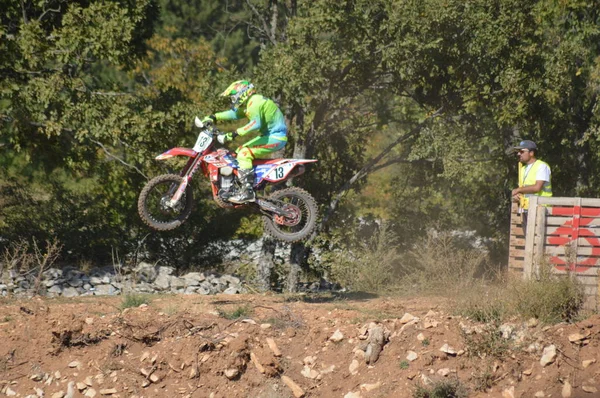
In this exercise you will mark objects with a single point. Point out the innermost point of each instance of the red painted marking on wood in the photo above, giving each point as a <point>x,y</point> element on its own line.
<point>572,228</point>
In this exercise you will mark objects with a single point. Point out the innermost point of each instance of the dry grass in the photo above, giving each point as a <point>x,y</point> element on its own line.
<point>367,266</point>
<point>550,298</point>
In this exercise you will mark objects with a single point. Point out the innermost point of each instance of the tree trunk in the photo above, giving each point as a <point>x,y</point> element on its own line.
<point>297,261</point>
<point>266,263</point>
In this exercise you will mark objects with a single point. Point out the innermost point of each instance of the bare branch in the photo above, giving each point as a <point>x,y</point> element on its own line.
<point>25,19</point>
<point>274,20</point>
<point>47,11</point>
<point>368,167</point>
<point>118,158</point>
<point>264,22</point>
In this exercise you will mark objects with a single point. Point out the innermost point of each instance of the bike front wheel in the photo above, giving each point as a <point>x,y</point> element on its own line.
<point>154,205</point>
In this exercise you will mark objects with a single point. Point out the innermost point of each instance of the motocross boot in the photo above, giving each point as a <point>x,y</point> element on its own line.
<point>246,192</point>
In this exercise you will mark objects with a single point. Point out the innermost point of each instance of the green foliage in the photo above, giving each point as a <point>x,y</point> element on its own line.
<point>242,311</point>
<point>91,91</point>
<point>442,389</point>
<point>134,300</point>
<point>488,343</point>
<point>404,365</point>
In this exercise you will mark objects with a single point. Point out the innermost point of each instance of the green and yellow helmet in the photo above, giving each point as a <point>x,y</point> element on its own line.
<point>239,92</point>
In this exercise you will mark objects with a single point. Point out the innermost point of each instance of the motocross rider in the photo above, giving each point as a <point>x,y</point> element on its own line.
<point>264,116</point>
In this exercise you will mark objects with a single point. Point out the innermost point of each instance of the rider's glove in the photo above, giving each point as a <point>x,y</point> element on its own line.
<point>223,138</point>
<point>209,120</point>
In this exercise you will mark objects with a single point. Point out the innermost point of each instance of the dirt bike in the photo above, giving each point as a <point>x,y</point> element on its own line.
<point>166,201</point>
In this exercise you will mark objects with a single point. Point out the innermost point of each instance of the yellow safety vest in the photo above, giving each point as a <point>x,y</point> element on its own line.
<point>527,178</point>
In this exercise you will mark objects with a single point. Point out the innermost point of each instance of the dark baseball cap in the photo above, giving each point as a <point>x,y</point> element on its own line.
<point>526,144</point>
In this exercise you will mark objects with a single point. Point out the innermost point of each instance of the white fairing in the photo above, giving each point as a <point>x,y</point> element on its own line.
<point>198,122</point>
<point>280,172</point>
<point>204,140</point>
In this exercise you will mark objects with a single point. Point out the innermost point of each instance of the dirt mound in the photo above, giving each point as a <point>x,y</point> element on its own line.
<point>184,346</point>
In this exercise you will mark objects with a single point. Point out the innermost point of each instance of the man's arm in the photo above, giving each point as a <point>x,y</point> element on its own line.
<point>537,187</point>
<point>228,115</point>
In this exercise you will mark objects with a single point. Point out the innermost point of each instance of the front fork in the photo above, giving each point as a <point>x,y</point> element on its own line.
<point>186,174</point>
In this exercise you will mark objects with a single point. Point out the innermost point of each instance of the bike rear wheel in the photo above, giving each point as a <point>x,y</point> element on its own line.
<point>153,206</point>
<point>304,209</point>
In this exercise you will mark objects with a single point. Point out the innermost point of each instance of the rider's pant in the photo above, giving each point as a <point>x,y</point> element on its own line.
<point>259,148</point>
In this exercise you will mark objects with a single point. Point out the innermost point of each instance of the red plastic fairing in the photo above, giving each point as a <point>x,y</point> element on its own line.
<point>177,152</point>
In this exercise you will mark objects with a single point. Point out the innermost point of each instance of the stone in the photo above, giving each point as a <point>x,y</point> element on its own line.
<point>337,336</point>
<point>108,391</point>
<point>532,322</point>
<point>59,394</point>
<point>231,290</point>
<point>370,387</point>
<point>353,368</point>
<point>421,337</point>
<point>539,394</point>
<point>38,376</point>
<point>70,292</point>
<point>105,290</point>
<point>265,326</point>
<point>9,392</point>
<point>163,270</point>
<point>273,347</point>
<point>548,356</point>
<point>296,390</point>
<point>588,362</point>
<point>309,360</point>
<point>232,280</point>
<point>81,386</point>
<point>194,278</point>
<point>90,393</point>
<point>163,281</point>
<point>232,373</point>
<point>70,390</point>
<point>309,373</point>
<point>589,389</point>
<point>407,318</point>
<point>575,337</point>
<point>75,364</point>
<point>509,392</point>
<point>448,349</point>
<point>567,390</point>
<point>145,272</point>
<point>177,283</point>
<point>443,372</point>
<point>353,395</point>
<point>411,356</point>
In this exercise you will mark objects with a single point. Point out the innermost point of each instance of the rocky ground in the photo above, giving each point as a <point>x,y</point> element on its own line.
<point>281,346</point>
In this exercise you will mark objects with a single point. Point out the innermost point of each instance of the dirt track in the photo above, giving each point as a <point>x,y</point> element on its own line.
<point>182,346</point>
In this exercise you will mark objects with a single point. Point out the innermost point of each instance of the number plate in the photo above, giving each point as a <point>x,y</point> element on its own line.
<point>280,172</point>
<point>204,140</point>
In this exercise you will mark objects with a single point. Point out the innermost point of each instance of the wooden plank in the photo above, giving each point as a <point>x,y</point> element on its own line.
<point>582,251</point>
<point>565,240</point>
<point>591,232</point>
<point>517,231</point>
<point>576,224</point>
<point>539,237</point>
<point>514,241</point>
<point>529,237</point>
<point>561,201</point>
<point>568,211</point>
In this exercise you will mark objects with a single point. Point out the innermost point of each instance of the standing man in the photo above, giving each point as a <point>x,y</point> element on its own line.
<point>534,178</point>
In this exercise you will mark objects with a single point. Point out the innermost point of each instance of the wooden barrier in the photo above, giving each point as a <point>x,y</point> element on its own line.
<point>564,232</point>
